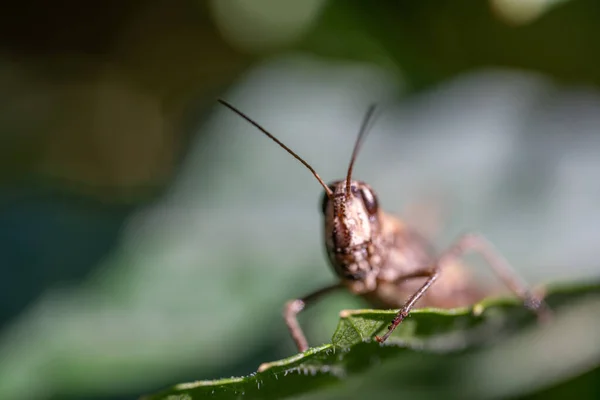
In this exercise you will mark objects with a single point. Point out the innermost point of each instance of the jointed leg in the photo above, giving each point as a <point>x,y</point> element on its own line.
<point>293,307</point>
<point>403,313</point>
<point>501,267</point>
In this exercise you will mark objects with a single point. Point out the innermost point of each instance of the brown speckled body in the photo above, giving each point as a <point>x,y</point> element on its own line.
<point>372,252</point>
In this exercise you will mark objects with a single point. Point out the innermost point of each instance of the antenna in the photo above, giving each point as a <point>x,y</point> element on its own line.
<point>364,129</point>
<point>273,138</point>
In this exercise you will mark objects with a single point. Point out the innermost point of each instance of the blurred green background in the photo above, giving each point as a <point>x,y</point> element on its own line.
<point>150,236</point>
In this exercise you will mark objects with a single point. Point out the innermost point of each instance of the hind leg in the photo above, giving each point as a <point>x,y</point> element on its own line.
<point>501,267</point>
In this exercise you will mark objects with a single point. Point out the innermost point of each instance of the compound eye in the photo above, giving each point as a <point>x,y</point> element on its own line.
<point>369,200</point>
<point>325,199</point>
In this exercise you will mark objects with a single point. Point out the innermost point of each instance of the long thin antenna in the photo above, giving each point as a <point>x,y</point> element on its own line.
<point>364,129</point>
<point>273,138</point>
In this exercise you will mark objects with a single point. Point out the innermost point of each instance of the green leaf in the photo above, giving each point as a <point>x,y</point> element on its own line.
<point>429,341</point>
